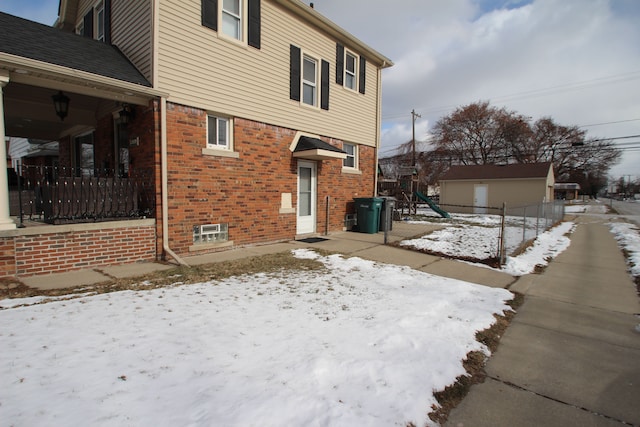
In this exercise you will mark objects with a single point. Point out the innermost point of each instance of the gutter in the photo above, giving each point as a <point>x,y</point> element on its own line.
<point>378,131</point>
<point>165,183</point>
<point>57,77</point>
<point>318,20</point>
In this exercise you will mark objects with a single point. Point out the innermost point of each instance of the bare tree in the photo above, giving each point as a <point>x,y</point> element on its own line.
<point>479,134</point>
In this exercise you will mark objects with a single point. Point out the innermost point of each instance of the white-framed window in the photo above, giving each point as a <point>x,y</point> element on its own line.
<point>238,21</point>
<point>309,80</point>
<point>210,233</point>
<point>350,70</point>
<point>219,132</point>
<point>232,22</point>
<point>351,161</point>
<point>100,21</point>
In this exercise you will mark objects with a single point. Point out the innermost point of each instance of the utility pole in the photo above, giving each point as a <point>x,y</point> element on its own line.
<point>414,115</point>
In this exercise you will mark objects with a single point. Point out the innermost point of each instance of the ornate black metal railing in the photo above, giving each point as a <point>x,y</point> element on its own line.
<point>59,195</point>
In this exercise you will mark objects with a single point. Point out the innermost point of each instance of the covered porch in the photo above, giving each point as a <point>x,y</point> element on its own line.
<point>79,127</point>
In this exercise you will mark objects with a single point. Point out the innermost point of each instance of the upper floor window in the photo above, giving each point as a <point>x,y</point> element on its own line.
<point>232,22</point>
<point>96,23</point>
<point>309,79</point>
<point>350,67</point>
<point>219,132</point>
<point>236,19</point>
<point>351,70</point>
<point>351,161</point>
<point>100,21</point>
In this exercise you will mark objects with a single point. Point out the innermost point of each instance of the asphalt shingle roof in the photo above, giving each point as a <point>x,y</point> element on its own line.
<point>309,143</point>
<point>513,171</point>
<point>32,40</point>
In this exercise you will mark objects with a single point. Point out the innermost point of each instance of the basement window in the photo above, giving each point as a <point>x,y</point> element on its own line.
<point>210,233</point>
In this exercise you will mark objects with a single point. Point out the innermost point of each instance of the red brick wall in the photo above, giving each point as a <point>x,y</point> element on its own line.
<point>74,250</point>
<point>7,257</point>
<point>343,187</point>
<point>245,192</point>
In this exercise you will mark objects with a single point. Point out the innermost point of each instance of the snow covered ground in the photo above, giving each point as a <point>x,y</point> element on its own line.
<point>357,343</point>
<point>476,236</point>
<point>628,237</point>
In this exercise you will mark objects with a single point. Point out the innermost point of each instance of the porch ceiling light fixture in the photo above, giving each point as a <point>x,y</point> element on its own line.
<point>127,114</point>
<point>61,104</point>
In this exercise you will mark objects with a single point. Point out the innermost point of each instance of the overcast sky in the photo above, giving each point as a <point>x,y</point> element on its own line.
<point>577,61</point>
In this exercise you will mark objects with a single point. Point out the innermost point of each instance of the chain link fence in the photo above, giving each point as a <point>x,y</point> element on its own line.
<point>522,224</point>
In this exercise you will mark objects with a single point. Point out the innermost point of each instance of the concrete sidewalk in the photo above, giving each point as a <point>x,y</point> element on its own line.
<point>571,356</point>
<point>367,246</point>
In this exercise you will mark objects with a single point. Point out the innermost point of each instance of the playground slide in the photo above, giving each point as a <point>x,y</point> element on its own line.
<point>432,205</point>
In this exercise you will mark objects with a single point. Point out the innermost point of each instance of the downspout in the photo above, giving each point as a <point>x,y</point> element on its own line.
<point>163,139</point>
<point>165,183</point>
<point>378,129</point>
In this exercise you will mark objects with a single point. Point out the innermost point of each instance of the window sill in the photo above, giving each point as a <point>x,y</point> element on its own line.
<point>287,210</point>
<point>229,39</point>
<point>220,153</point>
<point>312,107</point>
<point>351,171</point>
<point>205,246</point>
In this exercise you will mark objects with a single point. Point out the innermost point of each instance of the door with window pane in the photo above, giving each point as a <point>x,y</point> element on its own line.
<point>306,212</point>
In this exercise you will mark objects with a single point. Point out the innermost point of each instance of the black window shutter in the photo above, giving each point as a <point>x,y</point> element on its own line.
<point>87,24</point>
<point>363,74</point>
<point>294,73</point>
<point>324,85</point>
<point>107,21</point>
<point>339,64</point>
<point>210,14</point>
<point>253,36</point>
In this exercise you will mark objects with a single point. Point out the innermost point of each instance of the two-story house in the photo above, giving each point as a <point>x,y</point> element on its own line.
<point>249,122</point>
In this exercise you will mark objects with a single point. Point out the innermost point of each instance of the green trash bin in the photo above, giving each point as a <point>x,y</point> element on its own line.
<point>368,214</point>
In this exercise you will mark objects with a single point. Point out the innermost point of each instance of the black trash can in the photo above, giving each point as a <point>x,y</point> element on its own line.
<point>368,214</point>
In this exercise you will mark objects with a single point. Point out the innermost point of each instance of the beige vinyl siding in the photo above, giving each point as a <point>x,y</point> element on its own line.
<point>131,32</point>
<point>83,8</point>
<point>197,68</point>
<point>515,192</point>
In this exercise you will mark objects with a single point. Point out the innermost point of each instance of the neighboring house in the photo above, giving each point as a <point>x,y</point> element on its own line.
<point>566,190</point>
<point>476,188</point>
<point>226,123</point>
<point>23,151</point>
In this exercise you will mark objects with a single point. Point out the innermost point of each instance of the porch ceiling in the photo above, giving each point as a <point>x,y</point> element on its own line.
<point>29,112</point>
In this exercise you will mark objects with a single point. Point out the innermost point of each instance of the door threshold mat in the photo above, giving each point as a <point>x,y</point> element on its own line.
<point>312,240</point>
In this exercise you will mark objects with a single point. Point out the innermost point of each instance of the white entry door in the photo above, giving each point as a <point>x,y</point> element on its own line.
<point>306,212</point>
<point>480,199</point>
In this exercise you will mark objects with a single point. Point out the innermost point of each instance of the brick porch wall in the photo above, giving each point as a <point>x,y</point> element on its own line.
<point>57,249</point>
<point>245,192</point>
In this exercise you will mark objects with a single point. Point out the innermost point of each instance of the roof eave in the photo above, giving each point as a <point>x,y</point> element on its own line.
<point>314,17</point>
<point>30,71</point>
<point>319,154</point>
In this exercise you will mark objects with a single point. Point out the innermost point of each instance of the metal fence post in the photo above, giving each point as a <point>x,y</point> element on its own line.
<point>540,207</point>
<point>524,224</point>
<point>501,244</point>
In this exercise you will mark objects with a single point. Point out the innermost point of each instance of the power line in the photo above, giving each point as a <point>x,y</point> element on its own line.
<point>608,123</point>
<point>615,78</point>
